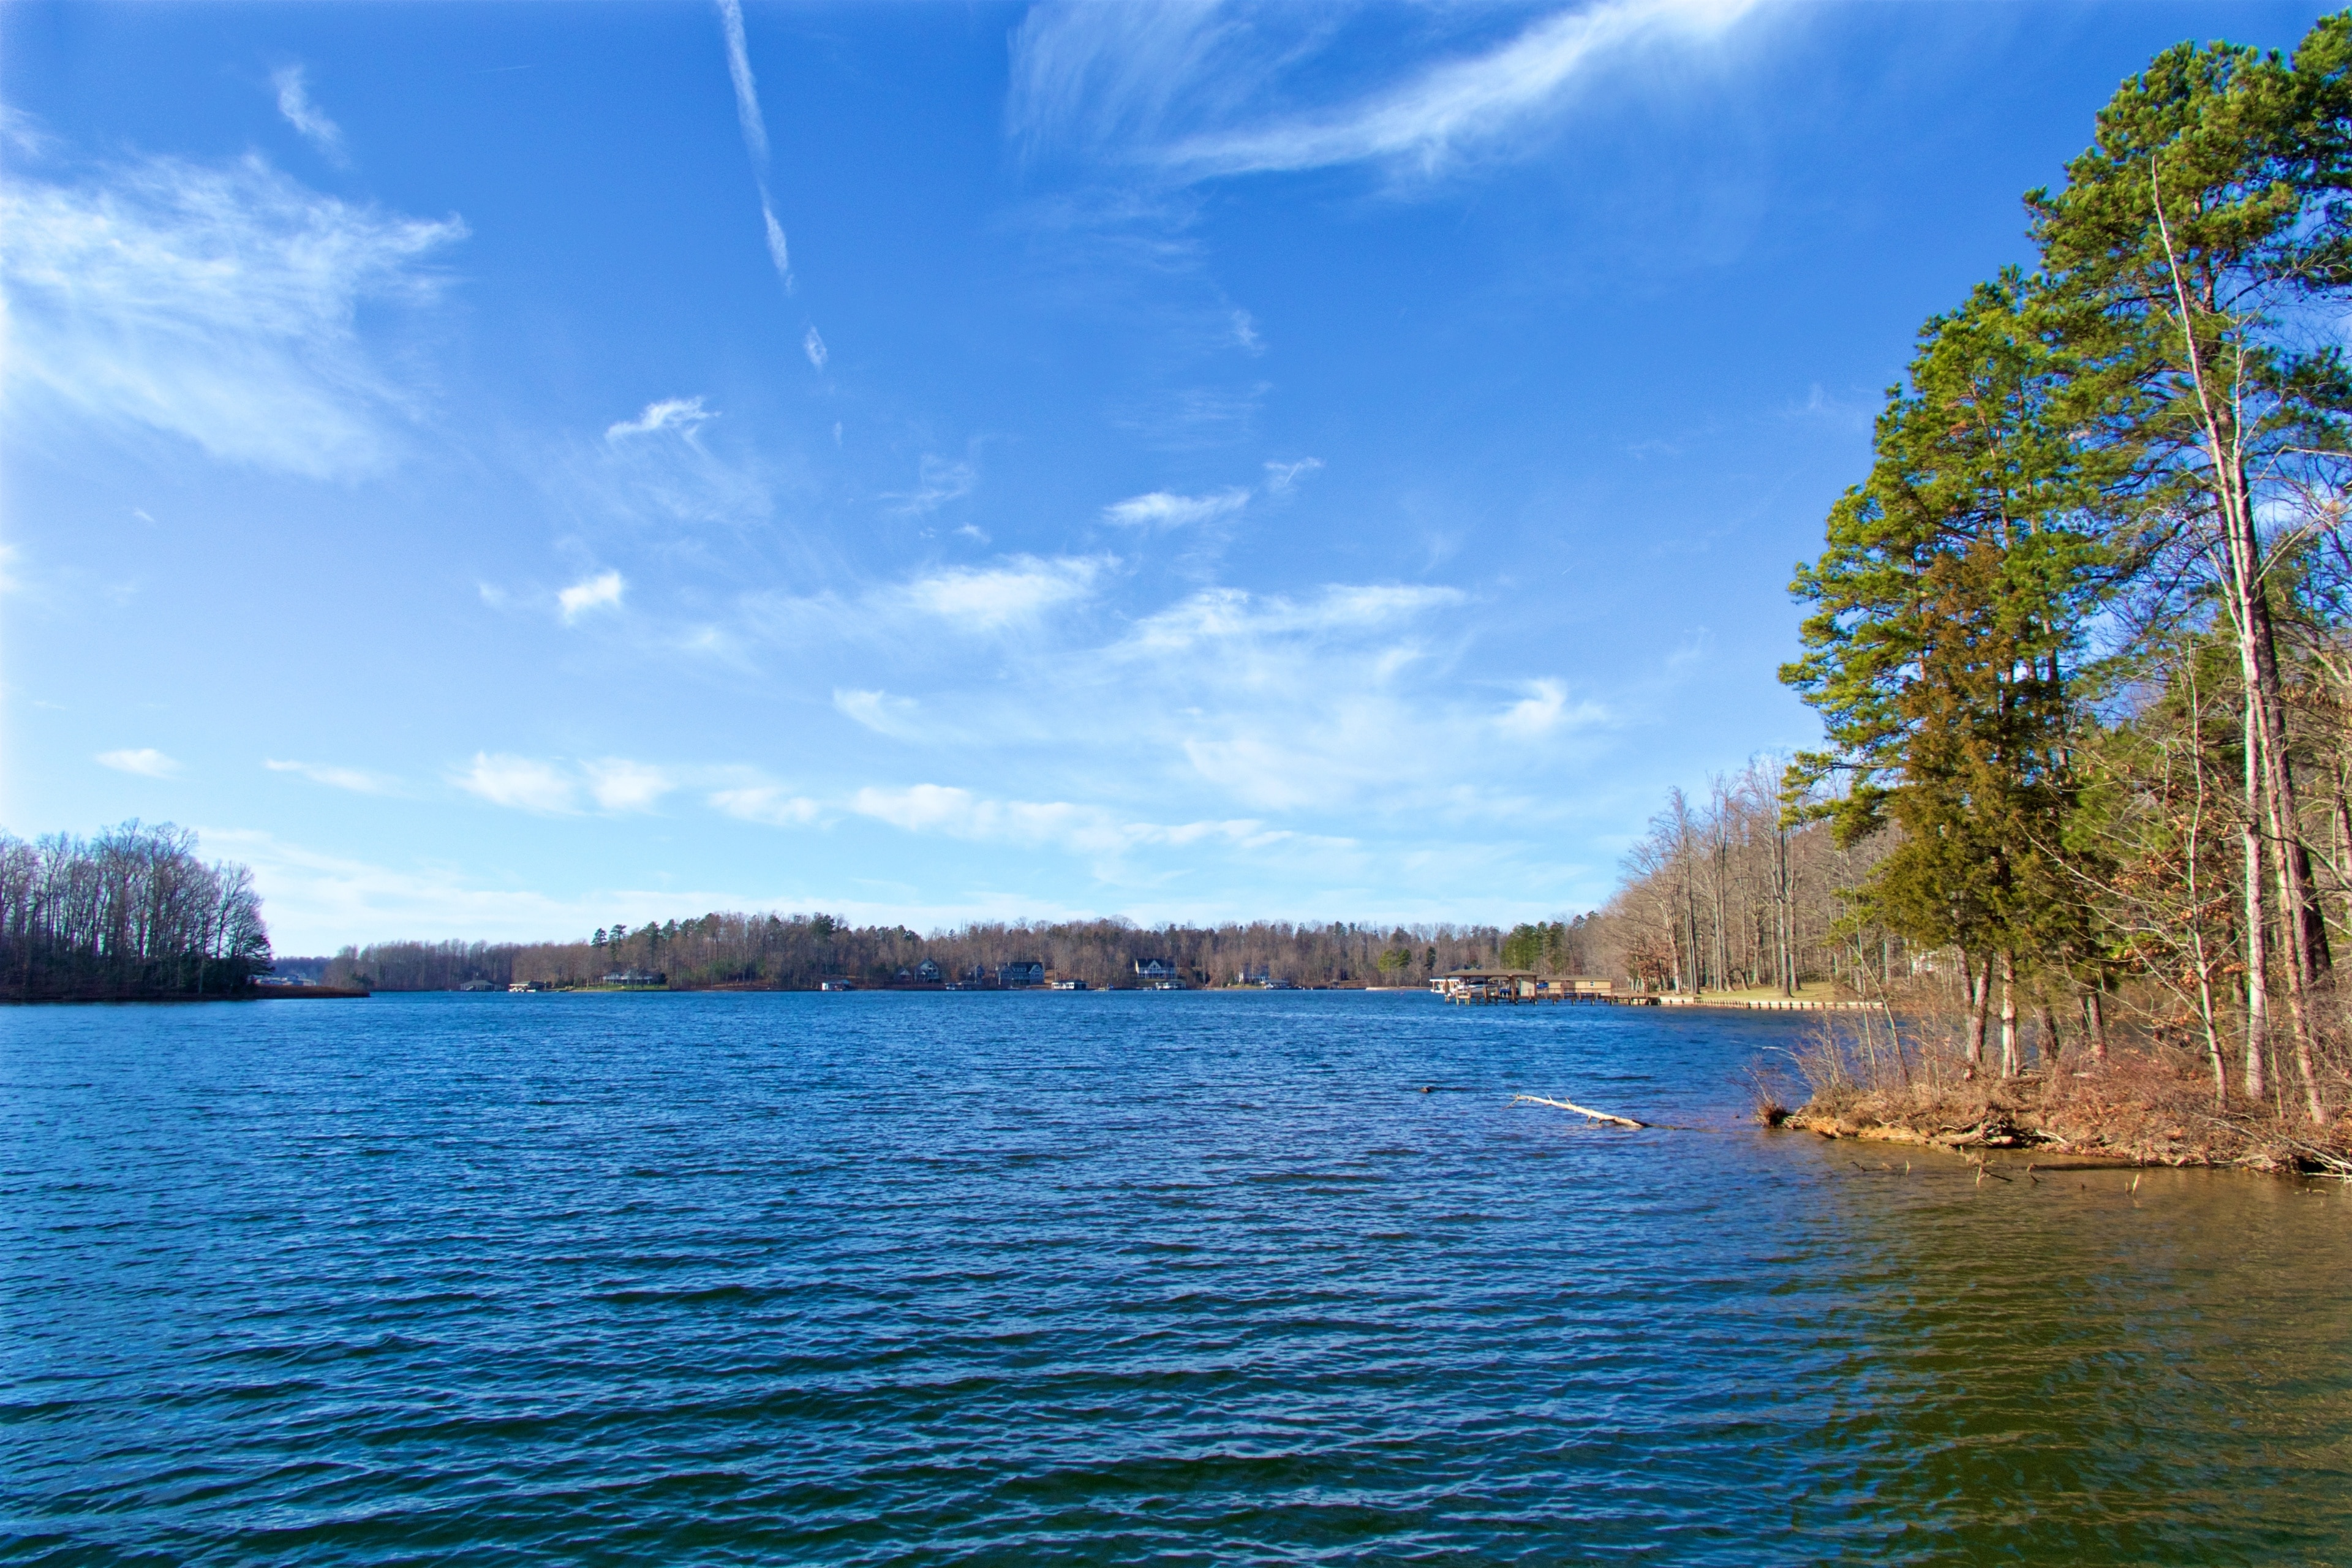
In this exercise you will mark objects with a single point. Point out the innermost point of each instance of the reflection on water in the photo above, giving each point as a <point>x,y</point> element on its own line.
<point>1102,1278</point>
<point>2105,1374</point>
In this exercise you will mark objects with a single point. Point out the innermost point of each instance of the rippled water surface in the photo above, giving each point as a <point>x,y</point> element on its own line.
<point>1101,1278</point>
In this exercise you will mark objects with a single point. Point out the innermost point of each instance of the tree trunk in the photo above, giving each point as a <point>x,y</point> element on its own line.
<point>2299,912</point>
<point>1981,994</point>
<point>2299,897</point>
<point>2095,1024</point>
<point>2270,782</point>
<point>2046,1024</point>
<point>2008,1062</point>
<point>2258,1001</point>
<point>2342,822</point>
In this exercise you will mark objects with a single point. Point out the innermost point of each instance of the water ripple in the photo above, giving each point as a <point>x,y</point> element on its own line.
<point>1094,1278</point>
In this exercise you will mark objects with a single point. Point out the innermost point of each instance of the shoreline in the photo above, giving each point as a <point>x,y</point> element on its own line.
<point>2124,1136</point>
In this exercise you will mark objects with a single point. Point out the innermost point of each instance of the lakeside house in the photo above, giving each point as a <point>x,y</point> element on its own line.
<point>1158,975</point>
<point>926,973</point>
<point>1020,972</point>
<point>633,977</point>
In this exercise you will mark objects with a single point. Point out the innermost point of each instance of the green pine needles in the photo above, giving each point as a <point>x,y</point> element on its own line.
<point>2101,482</point>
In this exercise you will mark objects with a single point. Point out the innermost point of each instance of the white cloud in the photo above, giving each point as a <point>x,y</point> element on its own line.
<point>1161,509</point>
<point>1095,74</point>
<point>294,103</point>
<point>780,250</point>
<point>993,598</point>
<point>620,785</point>
<point>767,803</point>
<point>532,783</point>
<point>524,782</point>
<point>1695,645</point>
<point>357,780</point>
<point>747,90</point>
<point>755,132</point>
<point>959,813</point>
<point>880,712</point>
<point>680,414</point>
<point>956,813</point>
<point>814,346</point>
<point>1184,86</point>
<point>1216,614</point>
<point>1462,102</point>
<point>145,760</point>
<point>938,482</point>
<point>1281,476</point>
<point>598,592</point>
<point>216,304</point>
<point>1245,333</point>
<point>1544,710</point>
<point>318,903</point>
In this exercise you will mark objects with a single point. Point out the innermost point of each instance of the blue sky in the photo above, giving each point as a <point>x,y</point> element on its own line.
<point>502,470</point>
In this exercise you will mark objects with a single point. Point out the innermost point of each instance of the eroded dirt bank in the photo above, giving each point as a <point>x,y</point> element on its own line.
<point>2113,1119</point>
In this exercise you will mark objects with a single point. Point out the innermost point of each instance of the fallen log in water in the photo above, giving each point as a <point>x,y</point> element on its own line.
<point>1580,1111</point>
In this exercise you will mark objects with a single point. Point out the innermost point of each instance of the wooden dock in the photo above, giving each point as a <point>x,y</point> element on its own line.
<point>1514,987</point>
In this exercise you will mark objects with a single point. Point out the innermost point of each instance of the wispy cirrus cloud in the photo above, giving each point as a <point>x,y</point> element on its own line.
<point>747,87</point>
<point>144,761</point>
<point>219,304</point>
<point>1215,615</point>
<point>318,901</point>
<point>1161,509</point>
<point>937,480</point>
<point>1015,592</point>
<point>525,784</point>
<point>958,813</point>
<point>359,780</point>
<point>755,126</point>
<point>680,414</point>
<point>1281,478</point>
<point>1011,599</point>
<point>898,717</point>
<point>1185,85</point>
<point>292,83</point>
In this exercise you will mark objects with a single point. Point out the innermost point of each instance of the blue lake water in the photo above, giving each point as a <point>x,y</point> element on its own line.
<point>1102,1279</point>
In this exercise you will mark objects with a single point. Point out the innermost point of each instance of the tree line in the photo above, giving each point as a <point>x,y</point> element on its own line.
<point>800,952</point>
<point>2082,637</point>
<point>1739,892</point>
<point>129,914</point>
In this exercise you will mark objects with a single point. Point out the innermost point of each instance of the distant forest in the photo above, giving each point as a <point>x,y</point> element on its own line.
<point>129,915</point>
<point>772,951</point>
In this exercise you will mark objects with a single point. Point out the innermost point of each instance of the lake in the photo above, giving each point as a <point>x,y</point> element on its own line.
<point>1102,1278</point>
